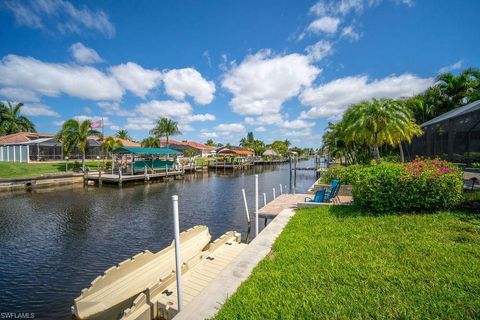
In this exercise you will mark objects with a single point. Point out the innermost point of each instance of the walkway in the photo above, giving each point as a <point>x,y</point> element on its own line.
<point>207,303</point>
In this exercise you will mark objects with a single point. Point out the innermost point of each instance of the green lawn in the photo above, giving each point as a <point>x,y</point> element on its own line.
<point>336,263</point>
<point>20,170</point>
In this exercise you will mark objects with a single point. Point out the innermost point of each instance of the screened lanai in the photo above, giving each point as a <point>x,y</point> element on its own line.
<point>453,136</point>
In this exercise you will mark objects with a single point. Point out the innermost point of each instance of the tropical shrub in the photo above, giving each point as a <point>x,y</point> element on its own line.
<point>347,175</point>
<point>420,185</point>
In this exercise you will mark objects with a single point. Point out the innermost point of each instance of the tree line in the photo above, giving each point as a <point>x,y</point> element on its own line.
<point>384,124</point>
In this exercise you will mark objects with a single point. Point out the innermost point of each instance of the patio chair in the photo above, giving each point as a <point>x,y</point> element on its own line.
<point>331,194</point>
<point>319,196</point>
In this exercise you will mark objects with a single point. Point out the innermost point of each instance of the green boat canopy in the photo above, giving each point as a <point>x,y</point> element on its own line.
<point>145,151</point>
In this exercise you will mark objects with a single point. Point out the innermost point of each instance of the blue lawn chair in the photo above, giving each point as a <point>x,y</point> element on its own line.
<point>332,193</point>
<point>319,196</point>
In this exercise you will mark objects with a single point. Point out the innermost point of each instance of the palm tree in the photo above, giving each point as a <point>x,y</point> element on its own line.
<point>110,144</point>
<point>75,134</point>
<point>11,121</point>
<point>165,128</point>
<point>378,122</point>
<point>123,134</point>
<point>151,142</point>
<point>456,88</point>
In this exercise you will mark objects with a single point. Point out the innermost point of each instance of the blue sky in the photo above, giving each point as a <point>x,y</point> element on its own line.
<point>281,69</point>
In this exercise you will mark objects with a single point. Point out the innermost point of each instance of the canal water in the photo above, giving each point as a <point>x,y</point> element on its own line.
<point>53,244</point>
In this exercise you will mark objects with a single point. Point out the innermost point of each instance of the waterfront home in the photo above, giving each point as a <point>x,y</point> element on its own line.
<point>197,149</point>
<point>32,147</point>
<point>234,151</point>
<point>452,136</point>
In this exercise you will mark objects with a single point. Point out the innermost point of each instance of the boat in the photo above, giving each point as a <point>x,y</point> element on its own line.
<point>144,287</point>
<point>112,292</point>
<point>160,300</point>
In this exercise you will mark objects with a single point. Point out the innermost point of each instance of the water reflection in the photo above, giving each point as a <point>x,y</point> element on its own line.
<point>53,244</point>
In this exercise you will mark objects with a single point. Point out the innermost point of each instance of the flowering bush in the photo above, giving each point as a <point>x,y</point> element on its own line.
<point>422,185</point>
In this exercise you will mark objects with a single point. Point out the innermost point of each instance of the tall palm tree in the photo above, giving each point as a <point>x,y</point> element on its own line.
<point>11,121</point>
<point>123,134</point>
<point>75,134</point>
<point>165,128</point>
<point>378,122</point>
<point>151,142</point>
<point>456,88</point>
<point>110,144</point>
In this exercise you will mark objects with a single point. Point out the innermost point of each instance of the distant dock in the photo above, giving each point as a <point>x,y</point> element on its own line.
<point>121,178</point>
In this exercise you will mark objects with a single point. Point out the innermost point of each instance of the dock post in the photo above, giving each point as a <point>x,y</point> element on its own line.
<point>256,205</point>
<point>99,177</point>
<point>120,176</point>
<point>178,265</point>
<point>246,206</point>
<point>273,193</point>
<point>264,199</point>
<point>281,189</point>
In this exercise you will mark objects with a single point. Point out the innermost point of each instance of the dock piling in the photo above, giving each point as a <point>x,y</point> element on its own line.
<point>256,205</point>
<point>281,190</point>
<point>246,206</point>
<point>273,193</point>
<point>178,264</point>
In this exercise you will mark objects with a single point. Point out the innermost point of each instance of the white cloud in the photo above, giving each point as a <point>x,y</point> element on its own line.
<point>39,110</point>
<point>140,123</point>
<point>230,127</point>
<point>199,117</point>
<point>324,24</point>
<point>260,129</point>
<point>298,133</point>
<point>266,119</point>
<point>19,94</point>
<point>263,82</point>
<point>149,112</point>
<point>208,135</point>
<point>82,117</point>
<point>52,79</point>
<point>59,16</point>
<point>332,98</point>
<point>87,110</point>
<point>349,32</point>
<point>182,82</point>
<point>164,108</point>
<point>296,124</point>
<point>85,55</point>
<point>456,66</point>
<point>135,78</point>
<point>319,50</point>
<point>113,108</point>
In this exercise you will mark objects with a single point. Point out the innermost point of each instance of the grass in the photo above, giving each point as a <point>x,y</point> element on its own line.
<point>20,170</point>
<point>337,263</point>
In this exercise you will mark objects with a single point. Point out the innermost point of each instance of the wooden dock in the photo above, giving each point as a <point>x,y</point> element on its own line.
<point>284,201</point>
<point>119,179</point>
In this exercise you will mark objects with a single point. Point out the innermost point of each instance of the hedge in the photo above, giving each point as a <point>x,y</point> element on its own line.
<point>420,185</point>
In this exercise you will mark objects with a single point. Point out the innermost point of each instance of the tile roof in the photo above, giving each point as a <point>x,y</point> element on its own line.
<point>23,137</point>
<point>191,144</point>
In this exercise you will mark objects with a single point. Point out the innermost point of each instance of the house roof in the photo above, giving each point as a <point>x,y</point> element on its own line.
<point>460,111</point>
<point>127,143</point>
<point>189,144</point>
<point>21,137</point>
<point>234,150</point>
<point>139,150</point>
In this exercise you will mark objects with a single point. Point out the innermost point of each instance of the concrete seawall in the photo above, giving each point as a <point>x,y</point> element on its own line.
<point>40,182</point>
